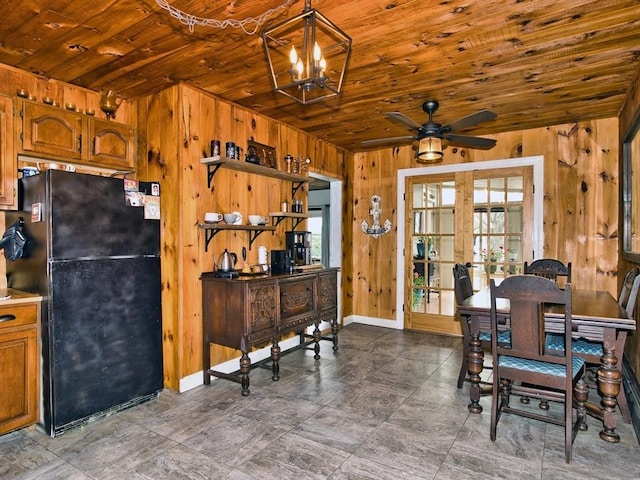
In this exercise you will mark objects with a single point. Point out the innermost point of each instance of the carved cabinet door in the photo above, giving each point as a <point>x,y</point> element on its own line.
<point>262,310</point>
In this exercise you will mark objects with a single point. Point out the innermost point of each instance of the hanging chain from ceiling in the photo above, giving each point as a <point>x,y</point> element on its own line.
<point>191,20</point>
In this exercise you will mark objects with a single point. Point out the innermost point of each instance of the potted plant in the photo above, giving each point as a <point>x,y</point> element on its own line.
<point>491,257</point>
<point>418,288</point>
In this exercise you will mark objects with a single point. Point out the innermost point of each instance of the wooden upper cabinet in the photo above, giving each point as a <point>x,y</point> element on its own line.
<point>8,161</point>
<point>53,132</point>
<point>112,144</point>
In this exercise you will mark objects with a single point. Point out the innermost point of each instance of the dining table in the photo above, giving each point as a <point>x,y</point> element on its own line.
<point>596,316</point>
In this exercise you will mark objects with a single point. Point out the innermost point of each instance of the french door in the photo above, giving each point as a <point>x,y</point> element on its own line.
<point>482,218</point>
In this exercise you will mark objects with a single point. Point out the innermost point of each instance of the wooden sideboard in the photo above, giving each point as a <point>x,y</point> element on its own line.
<point>253,311</point>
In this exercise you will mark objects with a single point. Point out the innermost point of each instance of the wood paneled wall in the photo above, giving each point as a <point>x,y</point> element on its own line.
<point>580,206</point>
<point>628,116</point>
<point>175,128</point>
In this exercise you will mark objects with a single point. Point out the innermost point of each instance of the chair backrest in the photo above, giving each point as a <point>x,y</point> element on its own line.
<point>629,291</point>
<point>549,268</point>
<point>462,282</point>
<point>527,295</point>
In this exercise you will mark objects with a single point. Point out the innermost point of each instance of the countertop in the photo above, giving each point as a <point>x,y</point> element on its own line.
<point>17,297</point>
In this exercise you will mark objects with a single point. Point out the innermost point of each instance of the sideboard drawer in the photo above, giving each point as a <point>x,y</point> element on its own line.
<point>296,298</point>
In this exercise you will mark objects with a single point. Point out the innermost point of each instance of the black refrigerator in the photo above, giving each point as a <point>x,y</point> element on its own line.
<point>95,260</point>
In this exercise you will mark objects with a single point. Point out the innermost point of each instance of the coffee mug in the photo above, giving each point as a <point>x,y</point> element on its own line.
<point>256,219</point>
<point>211,217</point>
<point>233,218</point>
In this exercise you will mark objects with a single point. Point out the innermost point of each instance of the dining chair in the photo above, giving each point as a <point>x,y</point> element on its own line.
<point>592,351</point>
<point>523,367</point>
<point>549,268</point>
<point>463,289</point>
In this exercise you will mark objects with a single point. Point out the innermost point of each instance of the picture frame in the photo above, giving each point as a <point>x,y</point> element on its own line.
<point>265,153</point>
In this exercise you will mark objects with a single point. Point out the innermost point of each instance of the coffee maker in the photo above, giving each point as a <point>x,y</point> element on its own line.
<point>299,246</point>
<point>280,261</point>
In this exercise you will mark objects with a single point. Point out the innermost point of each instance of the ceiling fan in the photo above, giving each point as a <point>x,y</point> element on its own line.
<point>431,135</point>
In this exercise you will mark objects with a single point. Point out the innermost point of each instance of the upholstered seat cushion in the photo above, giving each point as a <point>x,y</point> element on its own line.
<point>504,337</point>
<point>554,341</point>
<point>505,361</point>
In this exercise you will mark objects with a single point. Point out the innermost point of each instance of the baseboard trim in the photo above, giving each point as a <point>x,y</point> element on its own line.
<point>377,322</point>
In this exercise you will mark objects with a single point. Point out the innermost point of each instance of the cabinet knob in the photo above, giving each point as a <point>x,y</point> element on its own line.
<point>7,318</point>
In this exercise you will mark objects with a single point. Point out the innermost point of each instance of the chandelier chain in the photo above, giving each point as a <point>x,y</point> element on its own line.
<point>192,20</point>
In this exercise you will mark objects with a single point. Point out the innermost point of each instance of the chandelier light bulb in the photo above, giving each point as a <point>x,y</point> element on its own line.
<point>293,56</point>
<point>300,69</point>
<point>317,53</point>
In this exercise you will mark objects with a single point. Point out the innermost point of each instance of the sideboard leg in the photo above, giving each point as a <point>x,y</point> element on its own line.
<point>245,368</point>
<point>275,361</point>
<point>334,333</point>
<point>317,336</point>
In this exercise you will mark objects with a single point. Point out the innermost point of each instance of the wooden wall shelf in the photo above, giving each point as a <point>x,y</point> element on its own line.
<point>280,216</point>
<point>214,164</point>
<point>211,229</point>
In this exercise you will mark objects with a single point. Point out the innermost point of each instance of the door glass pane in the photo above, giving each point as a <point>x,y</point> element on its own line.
<point>432,247</point>
<point>497,228</point>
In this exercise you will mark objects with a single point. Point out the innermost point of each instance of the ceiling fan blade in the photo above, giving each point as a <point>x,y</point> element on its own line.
<point>403,120</point>
<point>470,121</point>
<point>470,142</point>
<point>390,141</point>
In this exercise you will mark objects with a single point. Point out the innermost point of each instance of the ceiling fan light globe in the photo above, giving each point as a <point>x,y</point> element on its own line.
<point>430,150</point>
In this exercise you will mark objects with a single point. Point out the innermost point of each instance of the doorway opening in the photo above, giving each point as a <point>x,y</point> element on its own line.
<point>325,222</point>
<point>438,276</point>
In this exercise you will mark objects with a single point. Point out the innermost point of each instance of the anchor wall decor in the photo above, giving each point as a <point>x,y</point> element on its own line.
<point>375,230</point>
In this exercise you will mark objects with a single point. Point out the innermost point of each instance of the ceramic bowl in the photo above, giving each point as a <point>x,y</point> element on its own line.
<point>256,219</point>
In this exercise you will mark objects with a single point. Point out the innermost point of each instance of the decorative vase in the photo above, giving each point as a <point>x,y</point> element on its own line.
<point>491,267</point>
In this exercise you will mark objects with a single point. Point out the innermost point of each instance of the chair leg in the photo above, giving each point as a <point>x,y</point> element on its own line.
<point>465,352</point>
<point>581,395</point>
<point>499,398</point>
<point>463,370</point>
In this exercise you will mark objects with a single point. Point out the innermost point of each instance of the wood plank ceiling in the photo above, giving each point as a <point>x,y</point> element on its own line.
<point>533,62</point>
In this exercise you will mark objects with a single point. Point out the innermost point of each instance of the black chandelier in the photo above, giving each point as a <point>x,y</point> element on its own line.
<point>307,56</point>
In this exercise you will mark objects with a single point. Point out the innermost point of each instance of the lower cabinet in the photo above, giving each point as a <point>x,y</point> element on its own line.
<point>19,365</point>
<point>245,312</point>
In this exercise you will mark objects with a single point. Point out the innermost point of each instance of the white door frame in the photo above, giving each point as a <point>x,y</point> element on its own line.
<point>536,162</point>
<point>335,230</point>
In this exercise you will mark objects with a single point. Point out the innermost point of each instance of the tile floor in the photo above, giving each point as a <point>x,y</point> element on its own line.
<point>384,407</point>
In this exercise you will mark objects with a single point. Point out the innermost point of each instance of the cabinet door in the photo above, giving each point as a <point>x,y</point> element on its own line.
<point>18,376</point>
<point>51,131</point>
<point>263,312</point>
<point>327,292</point>
<point>297,305</point>
<point>112,144</point>
<point>8,162</point>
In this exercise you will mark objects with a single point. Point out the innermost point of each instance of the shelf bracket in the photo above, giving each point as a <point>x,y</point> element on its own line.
<point>278,220</point>
<point>208,235</point>
<point>295,186</point>
<point>253,234</point>
<point>211,171</point>
<point>295,222</point>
